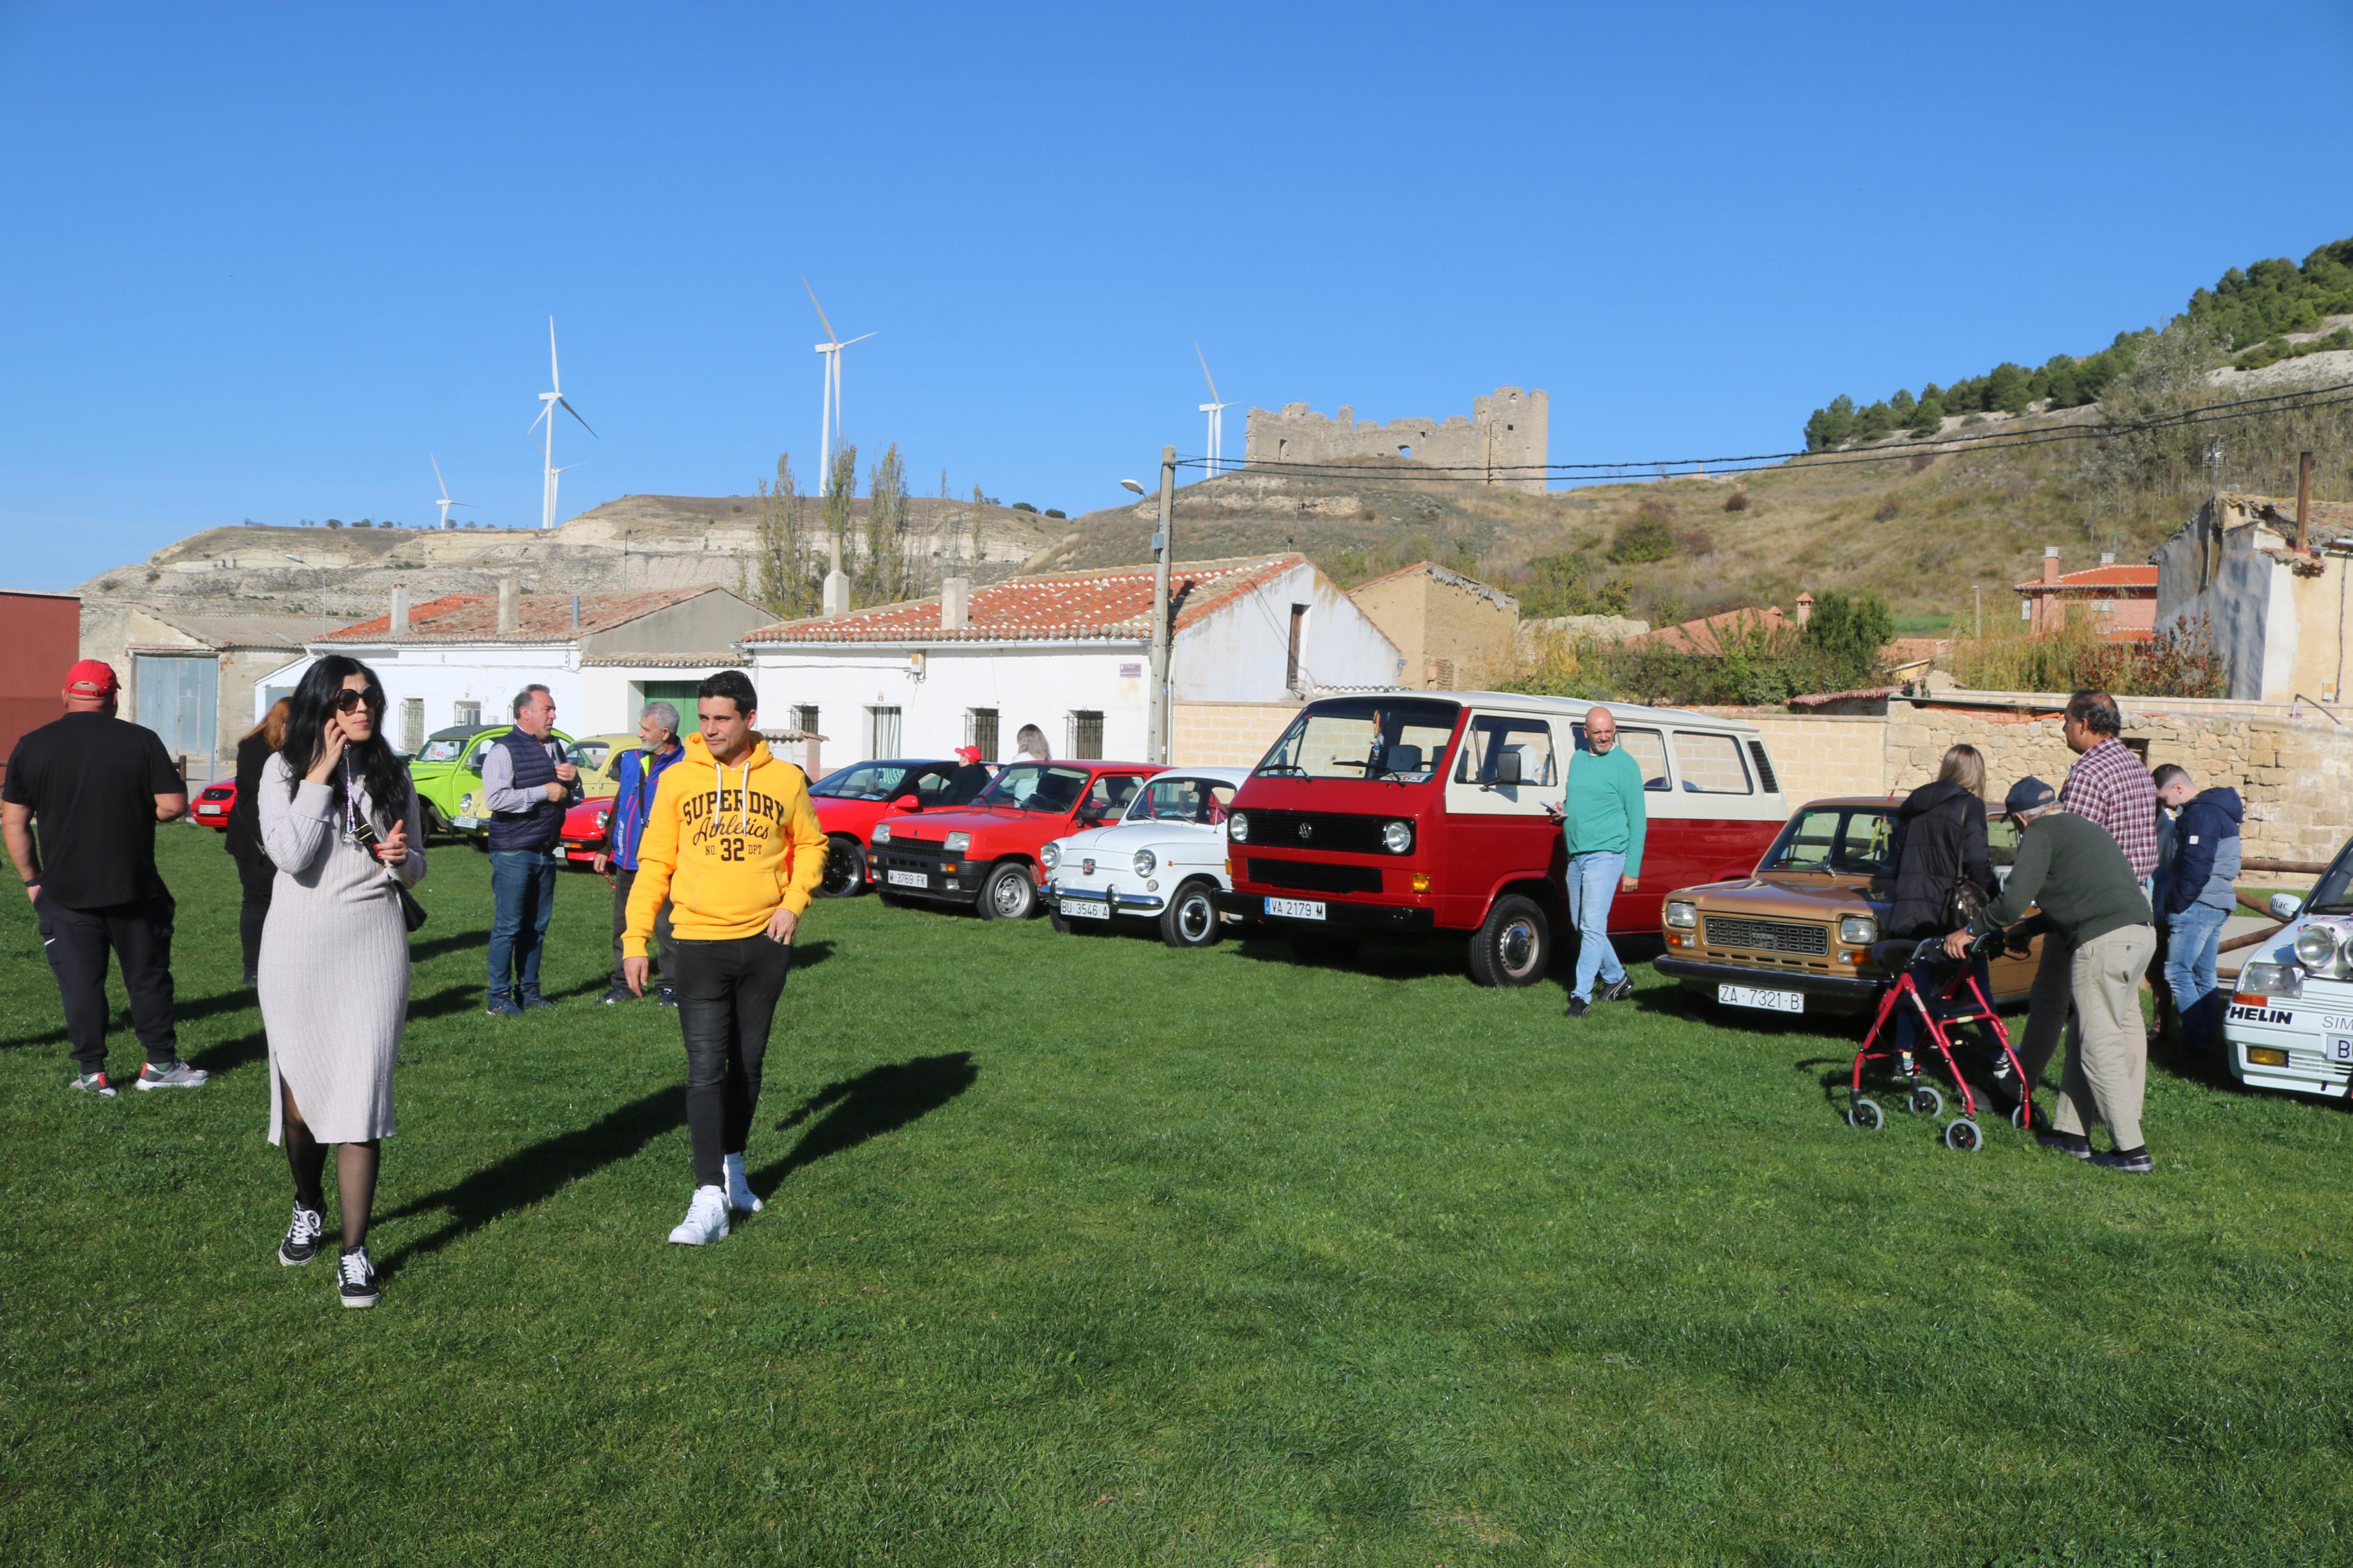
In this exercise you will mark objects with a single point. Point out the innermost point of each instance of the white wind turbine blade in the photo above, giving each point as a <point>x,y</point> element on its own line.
<point>566,406</point>
<point>831,337</point>
<point>859,339</point>
<point>1205,371</point>
<point>553,379</point>
<point>439,483</point>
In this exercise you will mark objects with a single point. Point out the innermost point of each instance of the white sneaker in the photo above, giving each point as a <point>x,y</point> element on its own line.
<point>706,1218</point>
<point>740,1196</point>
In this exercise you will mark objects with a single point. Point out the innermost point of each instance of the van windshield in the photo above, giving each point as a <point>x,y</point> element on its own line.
<point>1400,738</point>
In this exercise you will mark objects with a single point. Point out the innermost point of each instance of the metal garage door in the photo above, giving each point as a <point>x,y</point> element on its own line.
<point>179,700</point>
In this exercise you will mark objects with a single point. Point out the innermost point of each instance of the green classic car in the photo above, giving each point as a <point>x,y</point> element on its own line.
<point>447,776</point>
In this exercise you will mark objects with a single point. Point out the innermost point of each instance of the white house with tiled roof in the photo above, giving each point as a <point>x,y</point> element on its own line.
<point>1069,652</point>
<point>461,658</point>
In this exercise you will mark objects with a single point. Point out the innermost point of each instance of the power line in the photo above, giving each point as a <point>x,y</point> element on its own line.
<point>2296,401</point>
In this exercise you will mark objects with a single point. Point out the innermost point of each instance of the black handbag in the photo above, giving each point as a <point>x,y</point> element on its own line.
<point>412,913</point>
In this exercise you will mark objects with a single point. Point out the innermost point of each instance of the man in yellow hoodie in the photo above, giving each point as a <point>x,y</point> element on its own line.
<point>733,846</point>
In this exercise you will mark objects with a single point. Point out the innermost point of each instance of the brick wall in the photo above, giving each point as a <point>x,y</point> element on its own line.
<point>1226,735</point>
<point>1818,754</point>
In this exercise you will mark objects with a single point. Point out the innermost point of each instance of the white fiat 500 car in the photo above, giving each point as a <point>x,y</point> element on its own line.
<point>1161,861</point>
<point>2290,1021</point>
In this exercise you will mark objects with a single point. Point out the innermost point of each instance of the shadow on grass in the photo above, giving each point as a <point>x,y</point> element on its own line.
<point>228,1054</point>
<point>118,1021</point>
<point>1385,958</point>
<point>538,1172</point>
<point>849,1110</point>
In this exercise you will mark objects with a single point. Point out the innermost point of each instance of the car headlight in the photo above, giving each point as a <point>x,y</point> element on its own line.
<point>1858,930</point>
<point>2322,951</point>
<point>881,833</point>
<point>1682,912</point>
<point>957,843</point>
<point>602,818</point>
<point>2271,979</point>
<point>1396,838</point>
<point>1237,827</point>
<point>1051,854</point>
<point>1146,862</point>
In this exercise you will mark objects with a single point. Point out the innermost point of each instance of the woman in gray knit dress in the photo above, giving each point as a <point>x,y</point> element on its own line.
<point>341,823</point>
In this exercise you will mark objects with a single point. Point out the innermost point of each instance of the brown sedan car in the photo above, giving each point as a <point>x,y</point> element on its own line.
<point>1796,936</point>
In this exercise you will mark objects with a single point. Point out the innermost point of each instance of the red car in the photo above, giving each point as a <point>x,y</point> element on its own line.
<point>987,853</point>
<point>584,829</point>
<point>213,804</point>
<point>850,801</point>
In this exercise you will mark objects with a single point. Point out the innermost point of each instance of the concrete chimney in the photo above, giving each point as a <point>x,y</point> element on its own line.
<point>509,605</point>
<point>1805,609</point>
<point>399,608</point>
<point>2051,564</point>
<point>575,612</point>
<point>955,604</point>
<point>836,581</point>
<point>2107,557</point>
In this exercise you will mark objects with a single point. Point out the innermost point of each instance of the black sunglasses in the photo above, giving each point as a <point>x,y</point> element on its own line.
<point>347,700</point>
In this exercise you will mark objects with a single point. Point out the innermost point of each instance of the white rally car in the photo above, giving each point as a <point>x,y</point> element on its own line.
<point>1161,861</point>
<point>2290,1021</point>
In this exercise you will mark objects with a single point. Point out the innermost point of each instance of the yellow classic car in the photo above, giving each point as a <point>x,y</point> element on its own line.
<point>1797,935</point>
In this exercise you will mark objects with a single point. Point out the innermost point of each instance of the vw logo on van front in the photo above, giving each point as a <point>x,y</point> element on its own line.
<point>1307,831</point>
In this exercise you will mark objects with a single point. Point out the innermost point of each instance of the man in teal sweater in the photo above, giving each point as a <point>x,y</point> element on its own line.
<point>1602,823</point>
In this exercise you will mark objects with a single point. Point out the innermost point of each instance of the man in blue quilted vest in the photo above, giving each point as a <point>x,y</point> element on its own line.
<point>635,774</point>
<point>528,782</point>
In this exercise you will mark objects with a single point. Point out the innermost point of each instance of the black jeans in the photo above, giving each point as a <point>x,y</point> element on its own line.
<point>622,882</point>
<point>140,935</point>
<point>258,878</point>
<point>726,994</point>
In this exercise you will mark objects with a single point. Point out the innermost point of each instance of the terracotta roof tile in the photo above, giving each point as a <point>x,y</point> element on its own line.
<point>1704,636</point>
<point>545,617</point>
<point>2116,577</point>
<point>1056,607</point>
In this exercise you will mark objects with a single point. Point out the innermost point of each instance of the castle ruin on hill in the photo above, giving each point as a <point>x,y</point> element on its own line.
<point>1505,439</point>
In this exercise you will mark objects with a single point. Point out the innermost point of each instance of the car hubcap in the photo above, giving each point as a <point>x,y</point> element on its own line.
<point>1519,946</point>
<point>1009,897</point>
<point>1193,919</point>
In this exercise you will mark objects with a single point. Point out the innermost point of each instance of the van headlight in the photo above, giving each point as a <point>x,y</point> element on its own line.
<point>1237,827</point>
<point>881,833</point>
<point>1051,857</point>
<point>1396,838</point>
<point>1858,930</point>
<point>2322,951</point>
<point>957,843</point>
<point>1146,862</point>
<point>1682,913</point>
<point>2271,980</point>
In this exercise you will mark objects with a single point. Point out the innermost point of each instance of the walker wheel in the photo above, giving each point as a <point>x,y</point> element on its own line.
<point>1963,1137</point>
<point>1924,1102</point>
<point>1865,1114</point>
<point>2022,1118</point>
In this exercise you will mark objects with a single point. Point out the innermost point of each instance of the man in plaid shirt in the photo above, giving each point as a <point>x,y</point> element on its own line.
<point>2108,784</point>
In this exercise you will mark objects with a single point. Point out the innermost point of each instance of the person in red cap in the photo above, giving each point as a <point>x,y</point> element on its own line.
<point>96,785</point>
<point>967,783</point>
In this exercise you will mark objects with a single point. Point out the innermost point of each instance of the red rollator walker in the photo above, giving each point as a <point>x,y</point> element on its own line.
<point>1955,999</point>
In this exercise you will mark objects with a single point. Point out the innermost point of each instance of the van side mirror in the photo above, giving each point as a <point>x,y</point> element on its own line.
<point>2287,905</point>
<point>1507,767</point>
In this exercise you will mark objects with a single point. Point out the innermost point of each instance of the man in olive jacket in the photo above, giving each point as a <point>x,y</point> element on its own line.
<point>2097,943</point>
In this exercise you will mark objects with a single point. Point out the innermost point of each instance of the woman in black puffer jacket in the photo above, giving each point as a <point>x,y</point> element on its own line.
<point>1940,835</point>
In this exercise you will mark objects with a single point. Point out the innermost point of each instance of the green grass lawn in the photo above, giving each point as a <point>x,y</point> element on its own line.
<point>1081,1250</point>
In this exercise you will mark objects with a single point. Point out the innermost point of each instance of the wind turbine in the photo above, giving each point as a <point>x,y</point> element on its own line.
<point>549,402</point>
<point>1216,411</point>
<point>445,503</point>
<point>829,423</point>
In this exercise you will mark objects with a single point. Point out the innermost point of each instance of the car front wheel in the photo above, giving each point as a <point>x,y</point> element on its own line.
<point>1513,947</point>
<point>1009,894</point>
<point>845,868</point>
<point>1191,918</point>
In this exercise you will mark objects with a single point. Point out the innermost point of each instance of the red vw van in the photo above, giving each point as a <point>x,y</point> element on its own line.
<point>1421,812</point>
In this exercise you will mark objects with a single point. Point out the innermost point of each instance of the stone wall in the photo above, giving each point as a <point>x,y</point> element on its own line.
<point>1226,735</point>
<point>1508,428</point>
<point>1820,754</point>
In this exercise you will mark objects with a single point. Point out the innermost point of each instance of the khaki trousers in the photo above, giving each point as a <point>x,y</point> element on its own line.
<point>2107,1048</point>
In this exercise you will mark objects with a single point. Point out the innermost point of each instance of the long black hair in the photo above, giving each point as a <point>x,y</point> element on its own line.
<point>374,759</point>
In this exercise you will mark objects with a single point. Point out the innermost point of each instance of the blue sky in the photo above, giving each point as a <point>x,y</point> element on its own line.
<point>261,260</point>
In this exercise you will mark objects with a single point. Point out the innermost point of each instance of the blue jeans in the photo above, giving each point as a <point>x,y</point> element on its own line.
<point>1593,886</point>
<point>522,893</point>
<point>2191,938</point>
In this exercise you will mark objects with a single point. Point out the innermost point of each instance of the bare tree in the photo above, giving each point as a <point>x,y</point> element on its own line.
<point>787,586</point>
<point>841,492</point>
<point>882,576</point>
<point>973,527</point>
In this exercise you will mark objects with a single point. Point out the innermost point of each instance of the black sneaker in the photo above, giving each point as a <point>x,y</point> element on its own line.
<point>2073,1144</point>
<point>530,1001</point>
<point>1578,1007</point>
<point>2135,1160</point>
<point>1619,991</point>
<point>503,1007</point>
<point>618,994</point>
<point>357,1278</point>
<point>666,996</point>
<point>302,1242</point>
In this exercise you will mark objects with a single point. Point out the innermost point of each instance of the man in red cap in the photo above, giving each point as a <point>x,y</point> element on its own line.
<point>967,783</point>
<point>97,785</point>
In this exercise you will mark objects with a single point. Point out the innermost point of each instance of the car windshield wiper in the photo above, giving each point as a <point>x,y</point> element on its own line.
<point>1269,769</point>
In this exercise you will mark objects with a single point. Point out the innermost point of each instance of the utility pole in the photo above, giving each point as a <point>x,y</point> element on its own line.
<point>1161,552</point>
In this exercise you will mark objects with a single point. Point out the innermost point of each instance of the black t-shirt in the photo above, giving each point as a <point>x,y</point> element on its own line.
<point>91,781</point>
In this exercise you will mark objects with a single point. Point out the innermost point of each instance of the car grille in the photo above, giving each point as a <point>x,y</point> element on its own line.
<point>1314,876</point>
<point>1345,832</point>
<point>1769,936</point>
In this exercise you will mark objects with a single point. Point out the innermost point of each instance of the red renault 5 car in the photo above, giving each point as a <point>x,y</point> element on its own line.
<point>987,853</point>
<point>850,801</point>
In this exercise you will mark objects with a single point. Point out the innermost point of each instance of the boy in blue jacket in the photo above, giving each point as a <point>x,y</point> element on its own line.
<point>637,772</point>
<point>2196,898</point>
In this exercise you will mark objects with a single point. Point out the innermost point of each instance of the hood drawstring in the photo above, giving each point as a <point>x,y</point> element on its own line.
<point>719,797</point>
